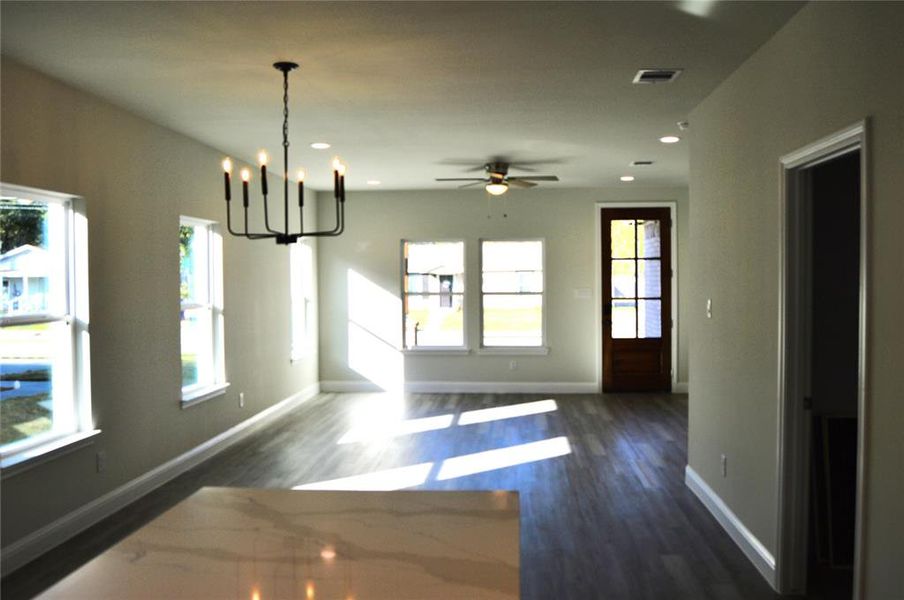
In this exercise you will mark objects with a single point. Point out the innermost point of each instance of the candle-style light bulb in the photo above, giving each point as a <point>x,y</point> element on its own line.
<point>262,159</point>
<point>227,169</point>
<point>341,168</point>
<point>246,177</point>
<point>336,163</point>
<point>300,175</point>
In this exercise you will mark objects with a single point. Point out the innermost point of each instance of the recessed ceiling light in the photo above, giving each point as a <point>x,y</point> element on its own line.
<point>374,182</point>
<point>670,139</point>
<point>627,177</point>
<point>320,145</point>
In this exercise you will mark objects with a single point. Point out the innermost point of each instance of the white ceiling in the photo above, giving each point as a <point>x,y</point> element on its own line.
<point>401,88</point>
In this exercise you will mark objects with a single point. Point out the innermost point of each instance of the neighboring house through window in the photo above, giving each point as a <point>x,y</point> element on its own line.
<point>433,294</point>
<point>44,388</point>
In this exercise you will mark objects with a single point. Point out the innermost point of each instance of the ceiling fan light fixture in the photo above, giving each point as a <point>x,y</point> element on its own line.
<point>497,188</point>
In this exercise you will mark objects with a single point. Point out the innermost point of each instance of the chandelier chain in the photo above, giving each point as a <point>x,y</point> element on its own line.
<point>285,127</point>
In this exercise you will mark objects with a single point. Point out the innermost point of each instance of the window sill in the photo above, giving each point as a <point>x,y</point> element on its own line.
<point>196,397</point>
<point>436,351</point>
<point>38,455</point>
<point>516,350</point>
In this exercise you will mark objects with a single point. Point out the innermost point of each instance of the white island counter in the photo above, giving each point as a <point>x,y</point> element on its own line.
<point>262,544</point>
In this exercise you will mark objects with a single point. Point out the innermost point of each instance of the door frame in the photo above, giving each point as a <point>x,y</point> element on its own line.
<point>598,283</point>
<point>793,427</point>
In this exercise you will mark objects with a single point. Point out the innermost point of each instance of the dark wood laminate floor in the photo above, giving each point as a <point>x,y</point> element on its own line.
<point>610,519</point>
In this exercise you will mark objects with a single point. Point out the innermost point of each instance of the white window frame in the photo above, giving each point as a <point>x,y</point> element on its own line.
<point>543,348</point>
<point>201,391</point>
<point>302,300</point>
<point>437,350</point>
<point>73,422</point>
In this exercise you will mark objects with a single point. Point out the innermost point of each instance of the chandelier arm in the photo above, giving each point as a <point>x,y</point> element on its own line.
<point>267,218</point>
<point>337,230</point>
<point>252,236</point>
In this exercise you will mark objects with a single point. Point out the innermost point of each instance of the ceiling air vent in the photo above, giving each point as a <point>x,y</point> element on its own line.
<point>657,75</point>
<point>641,163</point>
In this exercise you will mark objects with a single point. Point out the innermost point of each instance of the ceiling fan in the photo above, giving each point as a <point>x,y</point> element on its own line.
<point>498,181</point>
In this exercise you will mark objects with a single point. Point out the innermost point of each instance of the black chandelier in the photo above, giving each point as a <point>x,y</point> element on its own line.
<point>286,235</point>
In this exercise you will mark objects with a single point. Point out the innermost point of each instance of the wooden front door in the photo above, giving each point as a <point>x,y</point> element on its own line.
<point>636,259</point>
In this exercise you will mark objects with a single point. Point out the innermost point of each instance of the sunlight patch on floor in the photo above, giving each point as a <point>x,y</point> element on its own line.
<point>500,458</point>
<point>387,429</point>
<point>507,412</point>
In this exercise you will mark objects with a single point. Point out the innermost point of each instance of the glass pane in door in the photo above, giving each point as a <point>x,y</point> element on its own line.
<point>649,241</point>
<point>623,278</point>
<point>624,319</point>
<point>649,278</point>
<point>649,319</point>
<point>623,238</point>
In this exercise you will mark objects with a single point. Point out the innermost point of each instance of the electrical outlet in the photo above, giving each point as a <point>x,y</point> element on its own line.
<point>241,399</point>
<point>709,308</point>
<point>724,466</point>
<point>513,365</point>
<point>101,461</point>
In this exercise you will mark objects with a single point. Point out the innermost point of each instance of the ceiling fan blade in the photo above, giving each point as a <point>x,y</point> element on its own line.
<point>467,185</point>
<point>534,178</point>
<point>520,183</point>
<point>460,179</point>
<point>463,163</point>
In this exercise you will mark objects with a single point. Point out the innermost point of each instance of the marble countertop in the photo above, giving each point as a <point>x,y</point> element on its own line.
<point>262,544</point>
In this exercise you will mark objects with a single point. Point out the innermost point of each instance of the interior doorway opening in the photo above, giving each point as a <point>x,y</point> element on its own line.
<point>823,368</point>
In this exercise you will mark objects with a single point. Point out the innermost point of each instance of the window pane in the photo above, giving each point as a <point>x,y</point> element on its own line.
<point>622,233</point>
<point>649,242</point>
<point>35,373</point>
<point>32,257</point>
<point>512,256</point>
<point>649,280</point>
<point>520,281</point>
<point>649,319</point>
<point>436,258</point>
<point>193,265</point>
<point>624,313</point>
<point>513,320</point>
<point>435,320</point>
<point>623,278</point>
<point>197,347</point>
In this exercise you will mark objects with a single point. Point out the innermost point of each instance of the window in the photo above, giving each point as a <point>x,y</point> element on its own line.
<point>512,293</point>
<point>301,291</point>
<point>44,389</point>
<point>433,294</point>
<point>200,272</point>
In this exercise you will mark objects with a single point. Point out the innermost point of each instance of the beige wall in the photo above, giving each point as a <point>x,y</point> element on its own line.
<point>565,218</point>
<point>137,178</point>
<point>833,64</point>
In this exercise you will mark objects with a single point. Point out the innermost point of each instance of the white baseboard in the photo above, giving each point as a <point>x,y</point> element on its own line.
<point>38,542</point>
<point>679,387</point>
<point>465,387</point>
<point>755,551</point>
